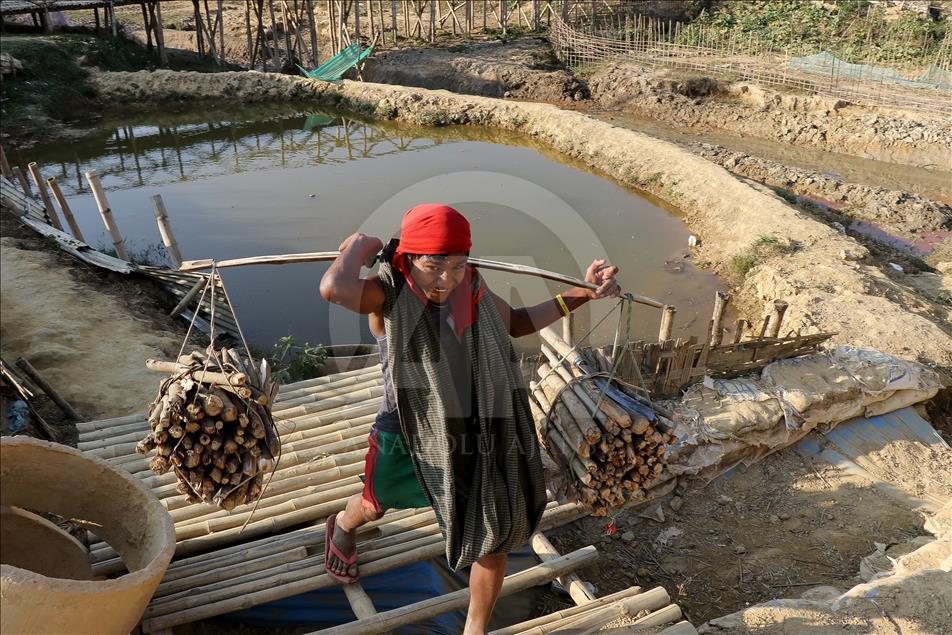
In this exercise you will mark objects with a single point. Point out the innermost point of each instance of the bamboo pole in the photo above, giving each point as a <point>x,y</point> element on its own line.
<point>165,230</point>
<point>188,298</point>
<point>324,256</point>
<point>5,166</point>
<point>65,208</point>
<point>45,386</point>
<point>208,377</point>
<point>721,299</point>
<point>106,212</point>
<point>44,194</point>
<point>667,323</point>
<point>24,184</point>
<point>160,35</point>
<point>312,22</point>
<point>426,609</point>
<point>221,32</point>
<point>574,611</point>
<point>571,582</point>
<point>652,600</point>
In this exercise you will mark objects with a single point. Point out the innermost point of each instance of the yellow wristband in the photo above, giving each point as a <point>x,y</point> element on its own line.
<point>565,307</point>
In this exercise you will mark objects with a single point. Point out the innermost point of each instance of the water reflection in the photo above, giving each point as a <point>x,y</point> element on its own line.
<point>271,181</point>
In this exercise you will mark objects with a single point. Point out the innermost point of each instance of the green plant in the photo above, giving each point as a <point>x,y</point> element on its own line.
<point>763,248</point>
<point>290,362</point>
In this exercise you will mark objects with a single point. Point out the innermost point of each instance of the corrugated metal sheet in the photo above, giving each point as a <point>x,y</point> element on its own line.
<point>852,445</point>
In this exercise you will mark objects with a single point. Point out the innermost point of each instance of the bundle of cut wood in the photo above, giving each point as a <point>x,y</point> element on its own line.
<point>211,423</point>
<point>612,442</point>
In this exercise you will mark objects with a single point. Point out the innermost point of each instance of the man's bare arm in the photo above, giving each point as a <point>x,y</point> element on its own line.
<point>342,283</point>
<point>530,319</point>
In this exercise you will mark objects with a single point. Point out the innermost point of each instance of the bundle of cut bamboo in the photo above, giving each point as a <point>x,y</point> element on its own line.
<point>211,424</point>
<point>611,450</point>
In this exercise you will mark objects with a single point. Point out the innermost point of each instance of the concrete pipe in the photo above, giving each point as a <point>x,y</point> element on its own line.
<point>47,477</point>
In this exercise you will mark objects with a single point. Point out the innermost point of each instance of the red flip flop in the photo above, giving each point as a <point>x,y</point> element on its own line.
<point>331,548</point>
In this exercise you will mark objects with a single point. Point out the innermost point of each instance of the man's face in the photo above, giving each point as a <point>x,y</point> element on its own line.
<point>437,276</point>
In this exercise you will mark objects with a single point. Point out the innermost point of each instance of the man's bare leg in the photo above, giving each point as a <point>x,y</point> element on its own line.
<point>356,513</point>
<point>485,580</point>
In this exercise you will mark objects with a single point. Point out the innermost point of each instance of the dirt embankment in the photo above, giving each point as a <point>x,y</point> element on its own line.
<point>706,104</point>
<point>523,69</point>
<point>88,334</point>
<point>829,279</point>
<point>903,213</point>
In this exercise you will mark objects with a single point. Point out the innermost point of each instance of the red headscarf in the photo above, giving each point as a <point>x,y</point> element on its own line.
<point>439,229</point>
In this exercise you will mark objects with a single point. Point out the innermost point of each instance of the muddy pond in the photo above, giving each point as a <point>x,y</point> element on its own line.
<point>240,183</point>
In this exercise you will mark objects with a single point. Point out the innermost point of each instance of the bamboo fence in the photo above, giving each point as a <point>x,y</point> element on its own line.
<point>609,35</point>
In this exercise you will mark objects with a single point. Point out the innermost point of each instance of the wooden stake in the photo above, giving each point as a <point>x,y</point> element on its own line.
<point>44,385</point>
<point>312,21</point>
<point>165,230</point>
<point>24,183</point>
<point>65,208</point>
<point>221,32</point>
<point>667,322</point>
<point>44,195</point>
<point>160,35</point>
<point>778,308</point>
<point>721,299</point>
<point>106,212</point>
<point>5,166</point>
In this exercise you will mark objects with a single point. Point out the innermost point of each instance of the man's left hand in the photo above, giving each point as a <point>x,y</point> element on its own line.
<point>608,287</point>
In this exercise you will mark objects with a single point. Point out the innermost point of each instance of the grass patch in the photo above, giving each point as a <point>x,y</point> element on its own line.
<point>763,248</point>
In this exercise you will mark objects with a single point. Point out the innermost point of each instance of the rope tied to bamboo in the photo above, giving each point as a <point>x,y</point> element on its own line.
<point>211,422</point>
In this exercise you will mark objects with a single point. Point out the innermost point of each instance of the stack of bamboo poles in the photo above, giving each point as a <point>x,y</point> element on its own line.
<point>593,616</point>
<point>612,452</point>
<point>211,425</point>
<point>323,424</point>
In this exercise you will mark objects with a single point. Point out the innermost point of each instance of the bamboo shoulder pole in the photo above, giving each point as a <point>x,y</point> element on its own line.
<point>426,609</point>
<point>323,256</point>
<point>44,194</point>
<point>106,212</point>
<point>546,551</point>
<point>165,230</point>
<point>65,208</point>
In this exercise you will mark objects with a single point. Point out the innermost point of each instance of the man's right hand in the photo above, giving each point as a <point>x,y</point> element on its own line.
<point>367,246</point>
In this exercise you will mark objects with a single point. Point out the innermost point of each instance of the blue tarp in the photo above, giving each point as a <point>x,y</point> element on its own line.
<point>390,590</point>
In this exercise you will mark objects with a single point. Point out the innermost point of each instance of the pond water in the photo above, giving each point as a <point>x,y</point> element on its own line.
<point>242,183</point>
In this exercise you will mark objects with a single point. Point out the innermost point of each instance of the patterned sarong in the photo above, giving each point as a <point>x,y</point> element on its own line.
<point>505,492</point>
